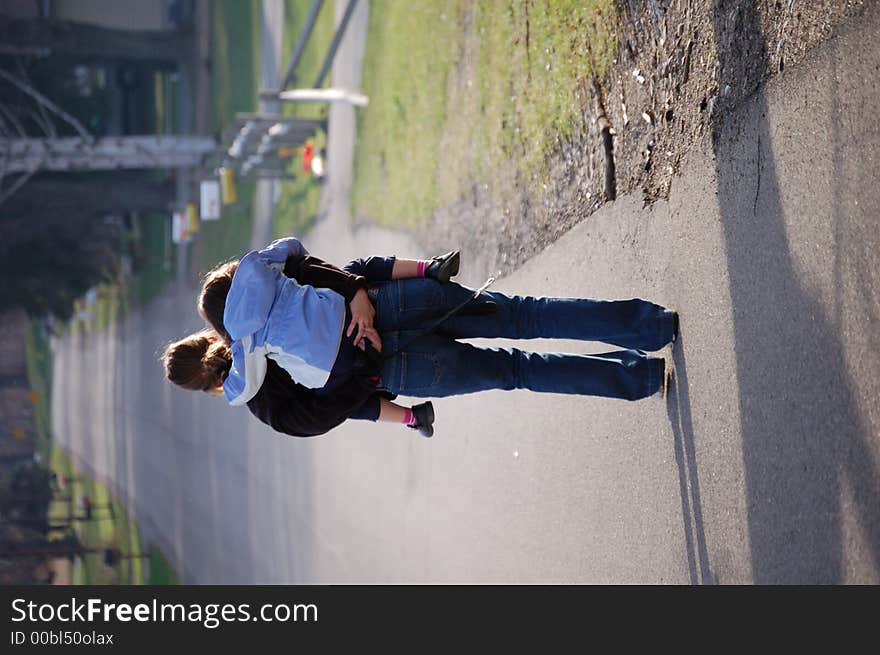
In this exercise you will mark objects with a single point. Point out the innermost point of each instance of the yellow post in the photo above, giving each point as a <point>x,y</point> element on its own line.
<point>192,216</point>
<point>227,186</point>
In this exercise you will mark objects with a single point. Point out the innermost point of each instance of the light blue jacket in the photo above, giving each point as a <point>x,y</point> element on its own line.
<point>270,315</point>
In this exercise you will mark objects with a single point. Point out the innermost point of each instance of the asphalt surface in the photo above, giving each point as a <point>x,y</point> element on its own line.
<point>761,466</point>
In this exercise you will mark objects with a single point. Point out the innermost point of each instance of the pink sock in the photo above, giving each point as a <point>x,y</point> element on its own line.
<point>423,264</point>
<point>409,418</point>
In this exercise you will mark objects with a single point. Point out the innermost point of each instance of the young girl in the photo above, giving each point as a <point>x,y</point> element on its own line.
<point>201,362</point>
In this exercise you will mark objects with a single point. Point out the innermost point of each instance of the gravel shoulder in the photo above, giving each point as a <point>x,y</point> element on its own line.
<point>683,66</point>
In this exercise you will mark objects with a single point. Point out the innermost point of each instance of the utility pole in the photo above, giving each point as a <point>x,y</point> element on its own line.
<point>28,155</point>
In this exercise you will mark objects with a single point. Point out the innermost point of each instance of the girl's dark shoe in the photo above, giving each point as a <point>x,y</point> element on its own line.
<point>444,267</point>
<point>424,414</point>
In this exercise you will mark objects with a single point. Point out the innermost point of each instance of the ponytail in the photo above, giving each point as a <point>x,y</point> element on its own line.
<point>199,362</point>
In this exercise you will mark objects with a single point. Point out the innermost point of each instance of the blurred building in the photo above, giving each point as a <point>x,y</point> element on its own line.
<point>117,14</point>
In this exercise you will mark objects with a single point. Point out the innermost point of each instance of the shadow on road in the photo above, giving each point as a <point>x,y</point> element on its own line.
<point>804,442</point>
<point>678,406</point>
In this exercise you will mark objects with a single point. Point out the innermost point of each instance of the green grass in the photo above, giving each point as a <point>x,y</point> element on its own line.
<point>152,232</point>
<point>97,316</point>
<point>235,48</point>
<point>161,572</point>
<point>231,235</point>
<point>120,531</point>
<point>235,52</point>
<point>300,197</point>
<point>295,13</point>
<point>166,91</point>
<point>38,358</point>
<point>459,90</point>
<point>297,207</point>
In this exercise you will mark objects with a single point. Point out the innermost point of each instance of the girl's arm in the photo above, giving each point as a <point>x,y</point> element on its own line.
<point>406,268</point>
<point>380,269</point>
<point>374,269</point>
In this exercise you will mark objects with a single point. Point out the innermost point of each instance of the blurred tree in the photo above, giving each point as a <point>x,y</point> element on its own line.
<point>63,86</point>
<point>84,42</point>
<point>55,244</point>
<point>28,493</point>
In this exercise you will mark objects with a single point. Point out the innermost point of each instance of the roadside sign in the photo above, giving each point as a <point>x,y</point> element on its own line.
<point>210,200</point>
<point>179,227</point>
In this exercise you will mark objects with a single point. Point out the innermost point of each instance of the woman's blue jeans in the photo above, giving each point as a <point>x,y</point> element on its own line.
<point>436,364</point>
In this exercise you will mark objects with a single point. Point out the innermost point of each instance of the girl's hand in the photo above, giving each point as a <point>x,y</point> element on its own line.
<point>371,335</point>
<point>362,314</point>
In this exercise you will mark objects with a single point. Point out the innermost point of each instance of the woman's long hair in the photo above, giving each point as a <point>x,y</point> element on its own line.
<point>212,299</point>
<point>199,362</point>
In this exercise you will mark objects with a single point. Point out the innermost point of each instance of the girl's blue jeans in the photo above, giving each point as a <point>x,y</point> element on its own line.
<point>437,364</point>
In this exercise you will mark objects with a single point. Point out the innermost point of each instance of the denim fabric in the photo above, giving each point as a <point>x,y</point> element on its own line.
<point>437,365</point>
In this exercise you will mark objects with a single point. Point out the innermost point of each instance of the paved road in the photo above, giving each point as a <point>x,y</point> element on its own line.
<point>762,466</point>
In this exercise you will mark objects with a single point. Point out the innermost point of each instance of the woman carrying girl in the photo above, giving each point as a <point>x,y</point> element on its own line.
<point>299,321</point>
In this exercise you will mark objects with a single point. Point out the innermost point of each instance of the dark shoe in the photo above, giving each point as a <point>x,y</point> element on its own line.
<point>674,327</point>
<point>424,414</point>
<point>444,267</point>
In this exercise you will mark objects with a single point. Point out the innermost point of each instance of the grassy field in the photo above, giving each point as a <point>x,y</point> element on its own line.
<point>459,88</point>
<point>295,14</point>
<point>299,199</point>
<point>119,531</point>
<point>161,572</point>
<point>235,55</point>
<point>152,233</point>
<point>38,358</point>
<point>229,237</point>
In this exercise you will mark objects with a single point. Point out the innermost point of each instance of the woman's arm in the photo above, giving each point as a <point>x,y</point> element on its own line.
<point>318,273</point>
<point>311,270</point>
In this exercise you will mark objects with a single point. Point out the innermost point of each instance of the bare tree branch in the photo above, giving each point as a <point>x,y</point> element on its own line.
<point>24,177</point>
<point>6,157</point>
<point>47,124</point>
<point>10,116</point>
<point>39,97</point>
